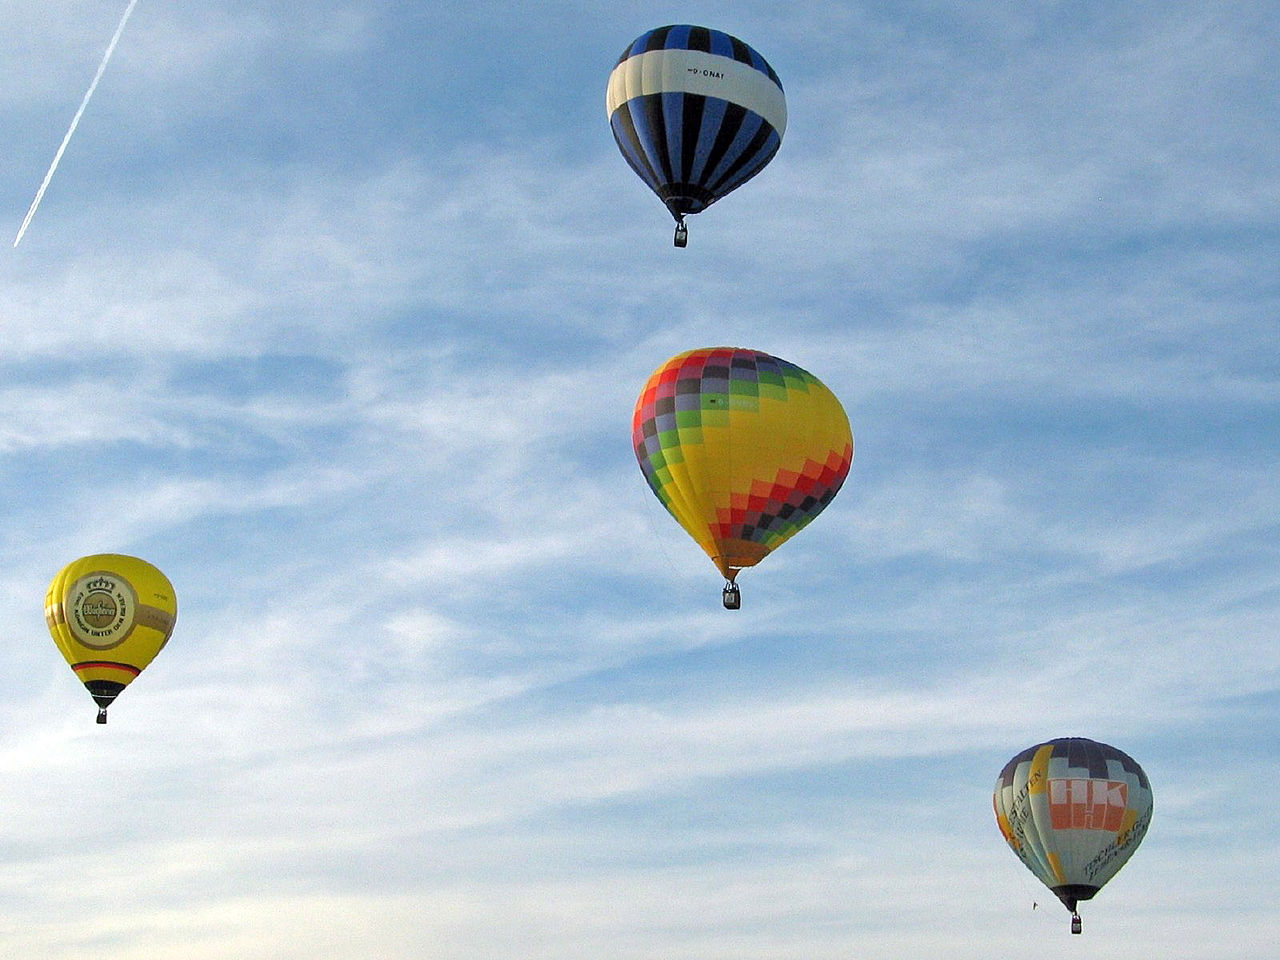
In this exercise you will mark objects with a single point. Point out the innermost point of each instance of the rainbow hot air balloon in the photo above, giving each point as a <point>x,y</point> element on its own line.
<point>1073,810</point>
<point>696,113</point>
<point>742,448</point>
<point>110,615</point>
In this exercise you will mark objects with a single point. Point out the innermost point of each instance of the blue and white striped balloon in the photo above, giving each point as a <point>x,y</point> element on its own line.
<point>696,113</point>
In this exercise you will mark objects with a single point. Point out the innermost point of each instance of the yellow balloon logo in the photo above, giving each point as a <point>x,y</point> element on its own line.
<point>101,610</point>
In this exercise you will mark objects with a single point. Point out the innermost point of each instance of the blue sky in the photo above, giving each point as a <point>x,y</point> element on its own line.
<point>337,312</point>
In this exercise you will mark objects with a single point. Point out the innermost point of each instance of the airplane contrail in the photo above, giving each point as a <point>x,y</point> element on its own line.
<point>111,48</point>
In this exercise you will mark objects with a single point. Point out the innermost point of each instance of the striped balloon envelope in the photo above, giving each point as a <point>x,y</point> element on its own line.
<point>1073,810</point>
<point>742,448</point>
<point>696,113</point>
<point>110,615</point>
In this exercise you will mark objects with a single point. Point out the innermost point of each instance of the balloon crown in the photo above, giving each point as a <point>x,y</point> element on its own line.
<point>102,583</point>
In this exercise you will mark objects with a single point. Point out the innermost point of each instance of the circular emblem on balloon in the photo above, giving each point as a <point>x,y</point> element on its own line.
<point>102,610</point>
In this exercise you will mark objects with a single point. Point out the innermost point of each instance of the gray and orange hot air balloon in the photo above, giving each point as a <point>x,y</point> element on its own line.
<point>1073,810</point>
<point>110,615</point>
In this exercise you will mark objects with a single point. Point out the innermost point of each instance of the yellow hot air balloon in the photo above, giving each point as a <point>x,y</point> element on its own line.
<point>743,449</point>
<point>1073,810</point>
<point>110,615</point>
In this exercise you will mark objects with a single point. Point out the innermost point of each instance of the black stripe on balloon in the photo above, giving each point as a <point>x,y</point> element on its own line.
<point>651,104</point>
<point>1093,756</point>
<point>734,114</point>
<point>741,52</point>
<point>111,664</point>
<point>1010,768</point>
<point>633,150</point>
<point>1136,771</point>
<point>1085,754</point>
<point>692,126</point>
<point>750,156</point>
<point>700,39</point>
<point>658,38</point>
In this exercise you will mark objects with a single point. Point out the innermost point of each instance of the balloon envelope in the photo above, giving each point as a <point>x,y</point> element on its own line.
<point>742,448</point>
<point>110,615</point>
<point>1073,810</point>
<point>696,113</point>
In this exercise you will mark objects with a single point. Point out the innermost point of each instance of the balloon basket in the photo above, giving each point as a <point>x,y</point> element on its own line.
<point>1076,926</point>
<point>102,714</point>
<point>732,596</point>
<point>682,235</point>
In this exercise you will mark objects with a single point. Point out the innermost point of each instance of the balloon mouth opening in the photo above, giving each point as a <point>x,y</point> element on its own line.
<point>736,555</point>
<point>103,693</point>
<point>1072,893</point>
<point>685,198</point>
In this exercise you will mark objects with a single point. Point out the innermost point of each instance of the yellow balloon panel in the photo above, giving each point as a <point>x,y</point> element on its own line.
<point>742,448</point>
<point>109,615</point>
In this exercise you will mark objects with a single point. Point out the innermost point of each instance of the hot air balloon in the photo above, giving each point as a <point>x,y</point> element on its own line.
<point>1073,810</point>
<point>696,113</point>
<point>109,615</point>
<point>742,448</point>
